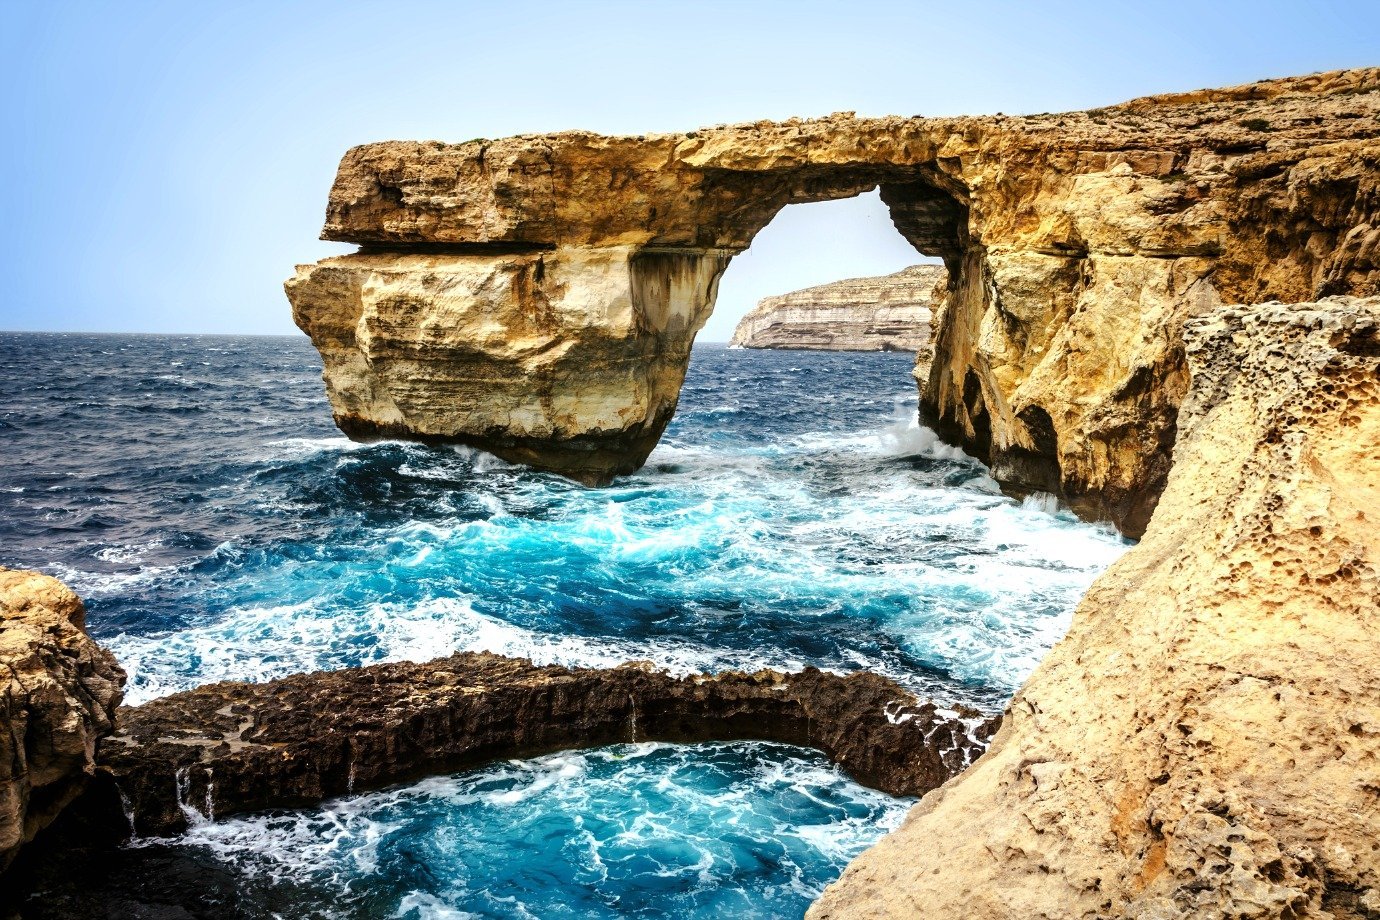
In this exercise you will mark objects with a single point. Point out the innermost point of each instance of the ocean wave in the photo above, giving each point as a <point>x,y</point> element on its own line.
<point>700,830</point>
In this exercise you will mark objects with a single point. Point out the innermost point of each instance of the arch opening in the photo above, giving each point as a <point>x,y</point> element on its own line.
<point>810,246</point>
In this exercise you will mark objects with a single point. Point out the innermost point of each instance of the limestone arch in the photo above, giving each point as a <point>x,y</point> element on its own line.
<point>565,319</point>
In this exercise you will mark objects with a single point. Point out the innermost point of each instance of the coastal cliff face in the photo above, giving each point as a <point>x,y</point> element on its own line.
<point>885,313</point>
<point>1205,742</point>
<point>57,699</point>
<point>536,296</point>
<point>234,747</point>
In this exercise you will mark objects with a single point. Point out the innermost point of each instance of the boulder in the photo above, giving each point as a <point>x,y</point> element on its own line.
<point>58,694</point>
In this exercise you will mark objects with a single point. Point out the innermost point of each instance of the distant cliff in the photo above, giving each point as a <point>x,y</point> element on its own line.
<point>885,313</point>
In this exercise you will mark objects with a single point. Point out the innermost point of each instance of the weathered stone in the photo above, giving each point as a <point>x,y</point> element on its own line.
<point>1205,742</point>
<point>58,696</point>
<point>569,359</point>
<point>885,313</point>
<point>232,747</point>
<point>1078,244</point>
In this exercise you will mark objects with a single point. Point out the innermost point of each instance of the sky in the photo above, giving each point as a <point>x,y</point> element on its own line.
<point>167,163</point>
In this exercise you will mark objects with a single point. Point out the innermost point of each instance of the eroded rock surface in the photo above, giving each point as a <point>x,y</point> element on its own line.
<point>232,747</point>
<point>1205,742</point>
<point>884,313</point>
<point>569,360</point>
<point>536,296</point>
<point>58,693</point>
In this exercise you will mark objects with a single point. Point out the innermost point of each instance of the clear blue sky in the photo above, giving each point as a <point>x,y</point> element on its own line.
<point>166,164</point>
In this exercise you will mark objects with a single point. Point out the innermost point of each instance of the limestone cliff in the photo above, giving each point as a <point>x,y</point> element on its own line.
<point>57,698</point>
<point>536,296</point>
<point>1205,742</point>
<point>886,313</point>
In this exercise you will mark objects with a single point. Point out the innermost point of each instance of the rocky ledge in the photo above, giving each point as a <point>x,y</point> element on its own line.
<point>234,747</point>
<point>884,313</point>
<point>58,693</point>
<point>537,296</point>
<point>1205,742</point>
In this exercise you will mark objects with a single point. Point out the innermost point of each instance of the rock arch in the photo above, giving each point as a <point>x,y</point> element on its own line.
<point>544,310</point>
<point>537,296</point>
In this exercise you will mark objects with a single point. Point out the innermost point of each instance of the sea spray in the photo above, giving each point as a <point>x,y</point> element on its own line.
<point>695,831</point>
<point>220,527</point>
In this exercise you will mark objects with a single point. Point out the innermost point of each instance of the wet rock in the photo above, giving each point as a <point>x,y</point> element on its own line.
<point>234,747</point>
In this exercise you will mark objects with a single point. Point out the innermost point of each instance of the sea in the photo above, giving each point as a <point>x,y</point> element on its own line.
<point>195,492</point>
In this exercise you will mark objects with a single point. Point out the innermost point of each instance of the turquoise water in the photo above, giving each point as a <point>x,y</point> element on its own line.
<point>195,492</point>
<point>635,830</point>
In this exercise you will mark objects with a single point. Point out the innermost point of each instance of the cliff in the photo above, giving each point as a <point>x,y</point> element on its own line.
<point>537,296</point>
<point>1205,742</point>
<point>886,313</point>
<point>57,699</point>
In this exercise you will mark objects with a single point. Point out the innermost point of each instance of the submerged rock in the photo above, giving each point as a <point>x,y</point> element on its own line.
<point>537,296</point>
<point>885,313</point>
<point>235,747</point>
<point>57,699</point>
<point>1205,742</point>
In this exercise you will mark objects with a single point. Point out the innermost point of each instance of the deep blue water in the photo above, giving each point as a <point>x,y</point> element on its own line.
<point>194,490</point>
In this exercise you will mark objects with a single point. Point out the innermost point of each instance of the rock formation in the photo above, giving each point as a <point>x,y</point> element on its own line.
<point>59,697</point>
<point>232,747</point>
<point>886,313</point>
<point>1205,743</point>
<point>537,296</point>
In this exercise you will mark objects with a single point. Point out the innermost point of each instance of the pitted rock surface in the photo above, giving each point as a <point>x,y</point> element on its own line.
<point>233,747</point>
<point>1205,742</point>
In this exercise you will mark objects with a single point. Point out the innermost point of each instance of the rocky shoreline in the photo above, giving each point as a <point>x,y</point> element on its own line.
<point>885,313</point>
<point>233,747</point>
<point>1203,743</point>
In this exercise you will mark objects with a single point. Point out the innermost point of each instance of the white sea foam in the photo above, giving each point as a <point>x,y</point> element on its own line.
<point>259,644</point>
<point>623,816</point>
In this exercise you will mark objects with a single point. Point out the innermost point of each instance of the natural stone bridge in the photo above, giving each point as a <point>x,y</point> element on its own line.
<point>537,296</point>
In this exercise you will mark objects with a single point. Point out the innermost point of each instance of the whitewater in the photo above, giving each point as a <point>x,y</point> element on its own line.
<point>195,492</point>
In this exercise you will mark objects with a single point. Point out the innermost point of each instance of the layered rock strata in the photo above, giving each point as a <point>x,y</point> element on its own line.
<point>58,693</point>
<point>884,313</point>
<point>233,747</point>
<point>536,296</point>
<point>1205,742</point>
